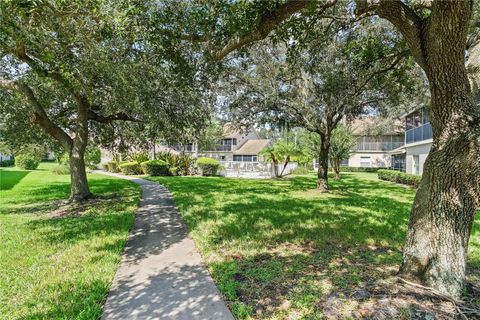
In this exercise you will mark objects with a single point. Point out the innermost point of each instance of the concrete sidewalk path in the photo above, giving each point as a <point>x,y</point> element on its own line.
<point>161,274</point>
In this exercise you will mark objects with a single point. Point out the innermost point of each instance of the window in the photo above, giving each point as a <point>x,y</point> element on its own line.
<point>365,162</point>
<point>245,158</point>
<point>222,157</point>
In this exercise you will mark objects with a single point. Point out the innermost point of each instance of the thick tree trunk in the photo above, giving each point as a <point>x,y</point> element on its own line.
<point>442,215</point>
<point>322,174</point>
<point>79,188</point>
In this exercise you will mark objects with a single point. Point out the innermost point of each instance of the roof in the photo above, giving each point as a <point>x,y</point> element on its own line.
<point>375,126</point>
<point>232,131</point>
<point>162,148</point>
<point>252,147</point>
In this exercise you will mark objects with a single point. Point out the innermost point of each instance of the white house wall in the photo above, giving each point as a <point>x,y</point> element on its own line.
<point>422,151</point>
<point>377,159</point>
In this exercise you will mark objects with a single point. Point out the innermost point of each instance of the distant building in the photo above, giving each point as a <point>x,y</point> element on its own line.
<point>418,141</point>
<point>376,137</point>
<point>234,145</point>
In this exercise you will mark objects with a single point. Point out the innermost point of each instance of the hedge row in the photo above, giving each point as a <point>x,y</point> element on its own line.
<point>207,167</point>
<point>131,168</point>
<point>399,177</point>
<point>358,169</point>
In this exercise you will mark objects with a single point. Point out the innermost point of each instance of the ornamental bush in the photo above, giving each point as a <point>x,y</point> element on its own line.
<point>155,168</point>
<point>131,168</point>
<point>139,157</point>
<point>61,169</point>
<point>113,166</point>
<point>399,177</point>
<point>208,166</point>
<point>27,161</point>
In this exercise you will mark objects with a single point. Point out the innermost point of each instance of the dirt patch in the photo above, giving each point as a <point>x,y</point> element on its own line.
<point>343,283</point>
<point>395,299</point>
<point>66,208</point>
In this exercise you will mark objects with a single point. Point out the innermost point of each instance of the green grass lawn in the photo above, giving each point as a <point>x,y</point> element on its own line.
<point>278,249</point>
<point>54,263</point>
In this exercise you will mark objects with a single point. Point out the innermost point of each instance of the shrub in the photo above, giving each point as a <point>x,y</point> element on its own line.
<point>183,162</point>
<point>174,171</point>
<point>301,170</point>
<point>208,166</point>
<point>131,168</point>
<point>60,169</point>
<point>7,163</point>
<point>27,161</point>
<point>139,157</point>
<point>113,166</point>
<point>399,177</point>
<point>155,168</point>
<point>105,166</point>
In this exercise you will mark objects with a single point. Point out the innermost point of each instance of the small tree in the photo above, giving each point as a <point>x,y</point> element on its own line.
<point>281,152</point>
<point>341,147</point>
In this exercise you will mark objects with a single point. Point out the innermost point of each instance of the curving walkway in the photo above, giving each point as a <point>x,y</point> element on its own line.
<point>161,274</point>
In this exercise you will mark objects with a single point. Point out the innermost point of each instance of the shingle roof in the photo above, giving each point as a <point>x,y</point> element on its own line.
<point>252,147</point>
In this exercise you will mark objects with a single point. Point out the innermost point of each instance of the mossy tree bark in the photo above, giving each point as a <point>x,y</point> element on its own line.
<point>442,214</point>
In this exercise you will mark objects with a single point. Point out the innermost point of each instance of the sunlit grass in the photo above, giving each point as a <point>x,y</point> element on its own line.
<point>277,247</point>
<point>59,267</point>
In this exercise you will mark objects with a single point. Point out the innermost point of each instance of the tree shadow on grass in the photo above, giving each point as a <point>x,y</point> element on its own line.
<point>10,178</point>
<point>266,212</point>
<point>43,197</point>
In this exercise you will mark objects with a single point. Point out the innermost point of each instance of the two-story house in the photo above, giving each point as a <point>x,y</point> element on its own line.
<point>418,141</point>
<point>234,145</point>
<point>375,138</point>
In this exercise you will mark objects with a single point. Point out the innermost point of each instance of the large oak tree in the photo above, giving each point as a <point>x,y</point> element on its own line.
<point>74,67</point>
<point>438,33</point>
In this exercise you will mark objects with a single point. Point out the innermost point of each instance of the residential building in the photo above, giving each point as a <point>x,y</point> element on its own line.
<point>234,145</point>
<point>375,137</point>
<point>418,141</point>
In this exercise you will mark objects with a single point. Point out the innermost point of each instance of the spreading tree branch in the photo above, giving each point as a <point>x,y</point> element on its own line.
<point>40,116</point>
<point>403,18</point>
<point>268,23</point>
